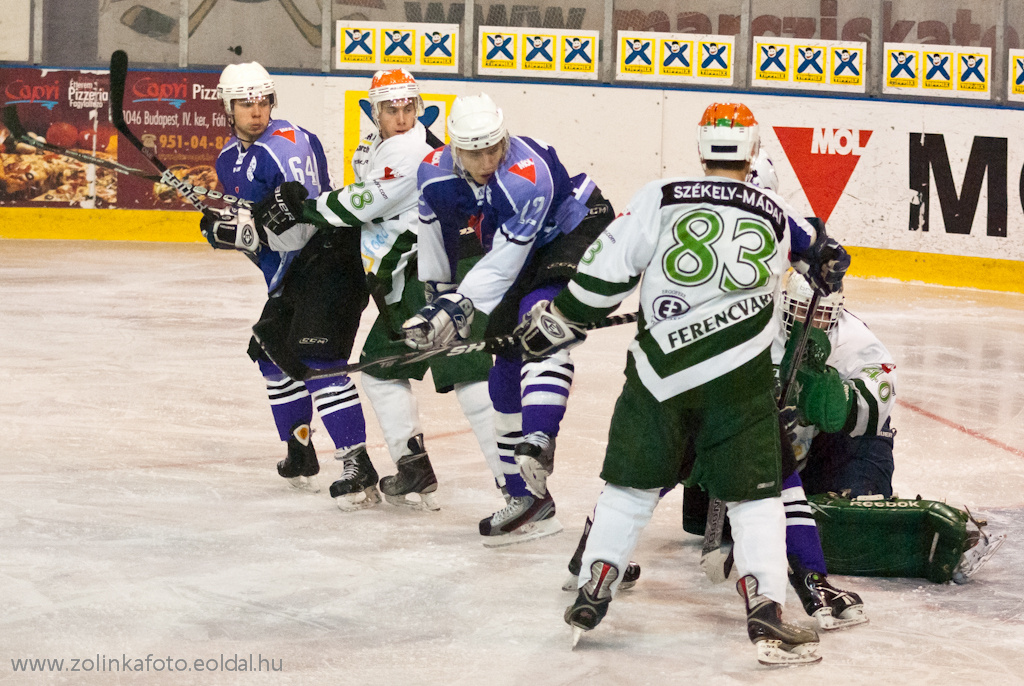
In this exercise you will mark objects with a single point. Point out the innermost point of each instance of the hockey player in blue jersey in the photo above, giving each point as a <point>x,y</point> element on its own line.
<point>534,223</point>
<point>315,283</point>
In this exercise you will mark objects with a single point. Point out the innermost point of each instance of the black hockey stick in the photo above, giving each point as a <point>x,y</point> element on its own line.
<point>488,345</point>
<point>714,529</point>
<point>13,124</point>
<point>118,77</point>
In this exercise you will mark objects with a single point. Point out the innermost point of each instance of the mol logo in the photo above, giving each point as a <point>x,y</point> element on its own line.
<point>824,160</point>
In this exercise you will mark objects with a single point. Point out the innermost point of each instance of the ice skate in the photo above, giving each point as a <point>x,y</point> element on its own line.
<point>592,600</point>
<point>777,643</point>
<point>983,548</point>
<point>833,608</point>
<point>535,455</point>
<point>415,476</point>
<point>356,489</point>
<point>301,465</point>
<point>629,577</point>
<point>525,518</point>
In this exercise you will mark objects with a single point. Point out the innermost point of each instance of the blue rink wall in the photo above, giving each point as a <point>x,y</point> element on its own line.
<point>918,191</point>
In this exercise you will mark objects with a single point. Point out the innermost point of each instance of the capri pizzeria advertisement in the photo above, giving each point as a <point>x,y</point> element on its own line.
<point>176,115</point>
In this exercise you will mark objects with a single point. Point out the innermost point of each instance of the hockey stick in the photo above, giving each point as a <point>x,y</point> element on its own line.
<point>488,345</point>
<point>13,124</point>
<point>118,77</point>
<point>714,529</point>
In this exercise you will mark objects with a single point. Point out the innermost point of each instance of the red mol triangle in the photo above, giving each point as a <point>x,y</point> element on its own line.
<point>824,160</point>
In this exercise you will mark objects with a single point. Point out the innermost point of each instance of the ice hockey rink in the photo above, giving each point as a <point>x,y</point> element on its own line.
<point>143,521</point>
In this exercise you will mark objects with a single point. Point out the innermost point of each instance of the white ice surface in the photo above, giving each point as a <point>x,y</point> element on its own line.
<point>142,514</point>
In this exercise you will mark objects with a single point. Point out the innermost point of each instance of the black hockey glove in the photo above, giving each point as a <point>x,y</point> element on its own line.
<point>826,264</point>
<point>544,331</point>
<point>230,230</point>
<point>282,209</point>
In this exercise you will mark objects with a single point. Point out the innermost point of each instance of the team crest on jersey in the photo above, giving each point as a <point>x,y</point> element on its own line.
<point>288,134</point>
<point>250,173</point>
<point>526,169</point>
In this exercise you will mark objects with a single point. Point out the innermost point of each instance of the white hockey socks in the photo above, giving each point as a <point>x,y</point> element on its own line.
<point>759,536</point>
<point>475,401</point>
<point>397,412</point>
<point>619,518</point>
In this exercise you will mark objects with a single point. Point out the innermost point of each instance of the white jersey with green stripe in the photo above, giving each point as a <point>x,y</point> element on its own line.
<point>711,252</point>
<point>383,202</point>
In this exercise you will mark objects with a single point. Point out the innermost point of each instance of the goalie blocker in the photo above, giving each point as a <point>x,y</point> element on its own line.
<point>895,537</point>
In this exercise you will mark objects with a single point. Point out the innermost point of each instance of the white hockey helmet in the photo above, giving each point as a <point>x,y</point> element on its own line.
<point>475,123</point>
<point>762,172</point>
<point>727,132</point>
<point>246,81</point>
<point>390,86</point>
<point>796,298</point>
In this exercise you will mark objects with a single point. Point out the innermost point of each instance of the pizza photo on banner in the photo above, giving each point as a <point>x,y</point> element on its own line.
<point>175,114</point>
<point>66,108</point>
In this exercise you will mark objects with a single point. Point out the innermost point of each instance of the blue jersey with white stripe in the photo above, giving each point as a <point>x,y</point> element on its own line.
<point>527,203</point>
<point>282,153</point>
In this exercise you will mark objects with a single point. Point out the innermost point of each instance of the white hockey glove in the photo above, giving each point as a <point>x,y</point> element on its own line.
<point>718,563</point>
<point>282,209</point>
<point>230,229</point>
<point>440,323</point>
<point>544,331</point>
<point>432,290</point>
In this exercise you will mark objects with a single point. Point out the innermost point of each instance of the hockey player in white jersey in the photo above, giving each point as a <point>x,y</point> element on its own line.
<point>711,251</point>
<point>382,203</point>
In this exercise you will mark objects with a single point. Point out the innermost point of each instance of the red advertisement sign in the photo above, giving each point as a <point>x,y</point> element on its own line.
<point>174,113</point>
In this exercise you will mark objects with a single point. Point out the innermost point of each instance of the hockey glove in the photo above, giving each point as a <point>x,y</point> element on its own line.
<point>816,351</point>
<point>440,323</point>
<point>824,399</point>
<point>282,209</point>
<point>825,264</point>
<point>544,331</point>
<point>230,230</point>
<point>435,289</point>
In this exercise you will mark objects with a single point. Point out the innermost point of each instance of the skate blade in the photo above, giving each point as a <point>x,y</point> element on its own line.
<point>427,502</point>
<point>852,616</point>
<point>527,532</point>
<point>535,476</point>
<point>773,652</point>
<point>349,502</point>
<point>970,564</point>
<point>577,632</point>
<point>309,484</point>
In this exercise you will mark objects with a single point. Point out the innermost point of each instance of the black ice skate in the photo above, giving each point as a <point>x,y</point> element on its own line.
<point>833,608</point>
<point>523,519</point>
<point>356,489</point>
<point>415,475</point>
<point>777,643</point>
<point>629,577</point>
<point>535,455</point>
<point>592,600</point>
<point>301,465</point>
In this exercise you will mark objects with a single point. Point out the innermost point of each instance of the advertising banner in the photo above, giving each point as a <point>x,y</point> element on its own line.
<point>537,53</point>
<point>1015,89</point>
<point>939,70</point>
<point>674,57</point>
<point>809,63</point>
<point>175,114</point>
<point>369,45</point>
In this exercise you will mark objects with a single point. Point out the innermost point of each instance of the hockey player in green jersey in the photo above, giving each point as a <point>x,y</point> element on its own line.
<point>711,251</point>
